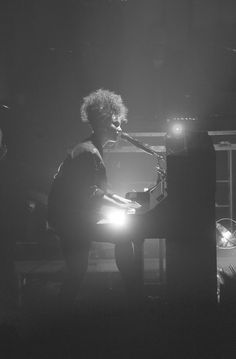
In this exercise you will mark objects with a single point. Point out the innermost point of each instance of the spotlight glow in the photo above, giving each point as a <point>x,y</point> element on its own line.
<point>116,217</point>
<point>177,129</point>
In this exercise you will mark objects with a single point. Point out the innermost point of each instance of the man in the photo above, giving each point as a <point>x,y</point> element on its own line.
<point>79,191</point>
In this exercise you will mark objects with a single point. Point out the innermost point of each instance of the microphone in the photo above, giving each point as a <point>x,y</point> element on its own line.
<point>140,145</point>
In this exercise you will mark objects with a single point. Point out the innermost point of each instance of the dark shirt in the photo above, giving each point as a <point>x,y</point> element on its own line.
<point>78,186</point>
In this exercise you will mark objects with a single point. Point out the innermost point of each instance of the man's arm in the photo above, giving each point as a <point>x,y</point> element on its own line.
<point>95,195</point>
<point>119,202</point>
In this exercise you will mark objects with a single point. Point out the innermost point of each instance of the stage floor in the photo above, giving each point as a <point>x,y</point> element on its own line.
<point>103,324</point>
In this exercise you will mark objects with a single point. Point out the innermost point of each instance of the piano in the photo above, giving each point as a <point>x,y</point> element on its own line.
<point>151,197</point>
<point>181,209</point>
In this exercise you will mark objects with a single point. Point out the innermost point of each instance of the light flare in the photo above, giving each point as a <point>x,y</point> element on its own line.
<point>114,216</point>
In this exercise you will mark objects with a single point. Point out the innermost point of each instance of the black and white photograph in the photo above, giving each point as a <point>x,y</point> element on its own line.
<point>118,179</point>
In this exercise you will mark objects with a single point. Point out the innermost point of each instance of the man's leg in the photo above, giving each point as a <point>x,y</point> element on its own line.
<point>130,268</point>
<point>76,258</point>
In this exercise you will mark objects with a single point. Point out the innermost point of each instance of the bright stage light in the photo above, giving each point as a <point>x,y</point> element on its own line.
<point>178,126</point>
<point>177,129</point>
<point>116,217</point>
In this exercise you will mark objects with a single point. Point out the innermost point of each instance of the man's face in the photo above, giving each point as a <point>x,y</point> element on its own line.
<point>113,128</point>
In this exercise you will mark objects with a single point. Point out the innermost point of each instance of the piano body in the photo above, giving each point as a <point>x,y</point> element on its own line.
<point>181,209</point>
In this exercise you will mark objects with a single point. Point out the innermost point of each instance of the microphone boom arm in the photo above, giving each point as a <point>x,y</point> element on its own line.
<point>141,145</point>
<point>145,148</point>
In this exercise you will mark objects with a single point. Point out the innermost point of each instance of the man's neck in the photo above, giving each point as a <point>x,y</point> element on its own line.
<point>97,142</point>
<point>99,139</point>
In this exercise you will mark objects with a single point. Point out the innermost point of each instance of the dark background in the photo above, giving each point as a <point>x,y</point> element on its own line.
<point>165,57</point>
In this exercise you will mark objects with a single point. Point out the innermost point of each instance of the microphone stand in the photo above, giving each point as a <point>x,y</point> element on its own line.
<point>145,148</point>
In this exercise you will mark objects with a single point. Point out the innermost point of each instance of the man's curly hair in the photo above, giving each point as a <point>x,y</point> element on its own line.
<point>102,104</point>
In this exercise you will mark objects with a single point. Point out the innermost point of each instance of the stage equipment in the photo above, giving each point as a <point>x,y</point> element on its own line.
<point>146,148</point>
<point>226,233</point>
<point>186,219</point>
<point>177,126</point>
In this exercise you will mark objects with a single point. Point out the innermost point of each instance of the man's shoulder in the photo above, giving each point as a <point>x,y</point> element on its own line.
<point>86,147</point>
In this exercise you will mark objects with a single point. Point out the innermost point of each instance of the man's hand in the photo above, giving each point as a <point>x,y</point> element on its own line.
<point>131,204</point>
<point>126,203</point>
<point>119,202</point>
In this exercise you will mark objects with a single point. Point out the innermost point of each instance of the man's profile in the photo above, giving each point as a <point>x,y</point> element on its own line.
<point>79,190</point>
